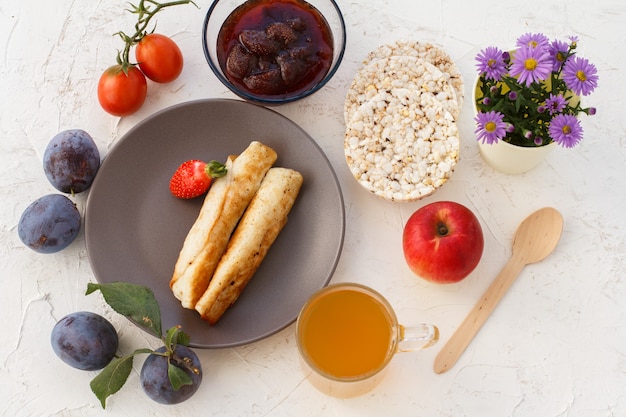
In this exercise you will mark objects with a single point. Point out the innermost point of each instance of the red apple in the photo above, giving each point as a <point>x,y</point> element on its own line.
<point>443,242</point>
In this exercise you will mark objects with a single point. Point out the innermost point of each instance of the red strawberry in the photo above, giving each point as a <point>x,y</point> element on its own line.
<point>193,178</point>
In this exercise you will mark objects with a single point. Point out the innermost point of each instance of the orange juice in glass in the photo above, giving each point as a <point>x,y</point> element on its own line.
<point>347,333</point>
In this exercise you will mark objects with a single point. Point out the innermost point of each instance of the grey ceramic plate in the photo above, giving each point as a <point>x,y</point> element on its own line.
<point>135,228</point>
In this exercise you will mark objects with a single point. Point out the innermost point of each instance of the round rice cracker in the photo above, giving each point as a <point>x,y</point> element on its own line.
<point>399,71</point>
<point>429,52</point>
<point>402,145</point>
<point>364,86</point>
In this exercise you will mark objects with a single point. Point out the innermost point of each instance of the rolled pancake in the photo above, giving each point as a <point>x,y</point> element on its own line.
<point>221,210</point>
<point>256,232</point>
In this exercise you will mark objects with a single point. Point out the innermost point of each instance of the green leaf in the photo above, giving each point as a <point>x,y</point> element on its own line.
<point>183,338</point>
<point>136,302</point>
<point>113,377</point>
<point>171,337</point>
<point>177,376</point>
<point>175,336</point>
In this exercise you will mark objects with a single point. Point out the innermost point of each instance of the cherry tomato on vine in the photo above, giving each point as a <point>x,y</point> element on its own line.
<point>120,94</point>
<point>159,58</point>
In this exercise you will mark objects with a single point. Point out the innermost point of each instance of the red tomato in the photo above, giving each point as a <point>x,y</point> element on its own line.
<point>120,94</point>
<point>159,58</point>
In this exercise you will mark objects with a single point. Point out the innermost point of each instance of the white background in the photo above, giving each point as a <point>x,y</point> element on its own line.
<point>554,347</point>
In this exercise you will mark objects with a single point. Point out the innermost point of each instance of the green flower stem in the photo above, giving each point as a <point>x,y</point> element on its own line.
<point>144,14</point>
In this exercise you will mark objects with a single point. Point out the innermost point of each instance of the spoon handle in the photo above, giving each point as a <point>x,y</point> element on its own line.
<point>458,342</point>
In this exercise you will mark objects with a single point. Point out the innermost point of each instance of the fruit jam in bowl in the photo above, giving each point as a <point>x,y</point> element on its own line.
<point>272,52</point>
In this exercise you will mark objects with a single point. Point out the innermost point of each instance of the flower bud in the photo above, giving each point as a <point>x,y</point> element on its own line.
<point>510,127</point>
<point>591,111</point>
<point>486,101</point>
<point>512,95</point>
<point>528,134</point>
<point>541,109</point>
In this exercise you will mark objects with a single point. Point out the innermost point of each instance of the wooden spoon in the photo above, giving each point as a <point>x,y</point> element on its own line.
<point>536,238</point>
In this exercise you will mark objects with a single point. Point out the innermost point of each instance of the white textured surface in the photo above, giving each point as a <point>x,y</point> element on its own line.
<point>554,347</point>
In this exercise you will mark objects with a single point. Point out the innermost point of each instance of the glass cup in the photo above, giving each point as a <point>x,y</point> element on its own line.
<point>347,334</point>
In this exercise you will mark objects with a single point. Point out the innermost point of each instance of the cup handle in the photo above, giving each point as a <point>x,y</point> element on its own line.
<point>417,337</point>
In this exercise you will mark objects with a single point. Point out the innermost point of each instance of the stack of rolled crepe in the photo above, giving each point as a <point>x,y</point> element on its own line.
<point>240,219</point>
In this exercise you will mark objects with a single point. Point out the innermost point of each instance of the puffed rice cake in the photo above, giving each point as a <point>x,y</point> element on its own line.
<point>401,140</point>
<point>431,53</point>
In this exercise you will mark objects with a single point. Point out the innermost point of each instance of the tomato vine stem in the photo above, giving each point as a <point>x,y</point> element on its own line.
<point>145,12</point>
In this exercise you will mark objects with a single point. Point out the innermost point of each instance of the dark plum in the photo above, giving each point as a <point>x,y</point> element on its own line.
<point>155,380</point>
<point>71,161</point>
<point>49,224</point>
<point>84,340</point>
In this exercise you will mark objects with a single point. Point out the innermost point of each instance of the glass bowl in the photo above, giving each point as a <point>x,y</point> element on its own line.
<point>220,10</point>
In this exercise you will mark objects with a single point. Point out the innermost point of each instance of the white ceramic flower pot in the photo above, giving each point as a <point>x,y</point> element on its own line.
<point>507,158</point>
<point>512,159</point>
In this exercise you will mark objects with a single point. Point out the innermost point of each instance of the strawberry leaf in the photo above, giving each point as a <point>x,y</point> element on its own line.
<point>113,377</point>
<point>215,169</point>
<point>136,302</point>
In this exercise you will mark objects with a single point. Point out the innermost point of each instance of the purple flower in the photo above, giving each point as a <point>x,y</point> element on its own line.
<point>491,63</point>
<point>490,127</point>
<point>580,76</point>
<point>531,65</point>
<point>558,54</point>
<point>555,104</point>
<point>565,130</point>
<point>533,40</point>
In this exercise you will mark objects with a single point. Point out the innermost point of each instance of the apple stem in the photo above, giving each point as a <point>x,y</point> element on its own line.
<point>442,229</point>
